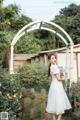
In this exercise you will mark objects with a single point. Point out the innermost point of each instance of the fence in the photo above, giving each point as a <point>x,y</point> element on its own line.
<point>33,104</point>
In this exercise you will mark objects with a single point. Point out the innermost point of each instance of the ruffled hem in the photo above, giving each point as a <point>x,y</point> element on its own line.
<point>56,112</point>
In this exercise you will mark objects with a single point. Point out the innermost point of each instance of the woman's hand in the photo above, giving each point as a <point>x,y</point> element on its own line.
<point>62,77</point>
<point>59,77</point>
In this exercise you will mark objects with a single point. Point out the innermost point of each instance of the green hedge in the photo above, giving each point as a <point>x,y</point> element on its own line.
<point>9,93</point>
<point>29,76</point>
<point>33,76</point>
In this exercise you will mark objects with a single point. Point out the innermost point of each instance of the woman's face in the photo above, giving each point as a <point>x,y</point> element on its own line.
<point>53,59</point>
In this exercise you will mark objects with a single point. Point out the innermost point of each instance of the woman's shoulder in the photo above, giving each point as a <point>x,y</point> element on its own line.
<point>54,69</point>
<point>54,65</point>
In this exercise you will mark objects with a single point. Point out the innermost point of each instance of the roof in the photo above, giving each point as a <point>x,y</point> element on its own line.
<point>25,57</point>
<point>59,49</point>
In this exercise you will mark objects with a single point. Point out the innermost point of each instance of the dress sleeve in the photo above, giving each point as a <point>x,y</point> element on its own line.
<point>55,69</point>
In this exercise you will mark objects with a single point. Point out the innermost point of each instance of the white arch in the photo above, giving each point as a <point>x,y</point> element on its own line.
<point>43,28</point>
<point>39,24</point>
<point>33,23</point>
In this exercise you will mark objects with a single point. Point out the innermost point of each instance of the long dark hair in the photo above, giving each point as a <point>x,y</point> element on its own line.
<point>49,57</point>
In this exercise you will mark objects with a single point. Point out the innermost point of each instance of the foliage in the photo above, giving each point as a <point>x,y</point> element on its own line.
<point>11,18</point>
<point>35,42</point>
<point>9,93</point>
<point>33,76</point>
<point>5,40</point>
<point>3,45</point>
<point>75,91</point>
<point>29,76</point>
<point>27,44</point>
<point>69,20</point>
<point>45,39</point>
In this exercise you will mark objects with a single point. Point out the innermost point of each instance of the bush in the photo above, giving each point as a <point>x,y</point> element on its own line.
<point>33,76</point>
<point>9,92</point>
<point>75,91</point>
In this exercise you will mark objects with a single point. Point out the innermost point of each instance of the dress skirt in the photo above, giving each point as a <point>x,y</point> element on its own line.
<point>58,100</point>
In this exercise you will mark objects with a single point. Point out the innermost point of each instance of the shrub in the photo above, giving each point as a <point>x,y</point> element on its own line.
<point>75,90</point>
<point>33,76</point>
<point>9,91</point>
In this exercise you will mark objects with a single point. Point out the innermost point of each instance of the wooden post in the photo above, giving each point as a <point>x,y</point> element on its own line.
<point>45,59</point>
<point>43,104</point>
<point>25,102</point>
<point>32,96</point>
<point>22,96</point>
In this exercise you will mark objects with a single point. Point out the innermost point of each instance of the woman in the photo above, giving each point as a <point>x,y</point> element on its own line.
<point>58,101</point>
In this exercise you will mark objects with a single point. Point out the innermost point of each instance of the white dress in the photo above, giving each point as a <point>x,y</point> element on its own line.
<point>58,101</point>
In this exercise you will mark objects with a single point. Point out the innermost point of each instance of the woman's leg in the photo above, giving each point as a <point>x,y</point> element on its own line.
<point>54,116</point>
<point>59,117</point>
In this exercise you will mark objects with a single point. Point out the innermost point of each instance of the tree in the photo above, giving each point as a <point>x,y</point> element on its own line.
<point>45,39</point>
<point>3,45</point>
<point>27,44</point>
<point>20,22</point>
<point>11,18</point>
<point>69,19</point>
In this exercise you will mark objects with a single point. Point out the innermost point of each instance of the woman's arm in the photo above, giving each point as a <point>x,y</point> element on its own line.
<point>59,77</point>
